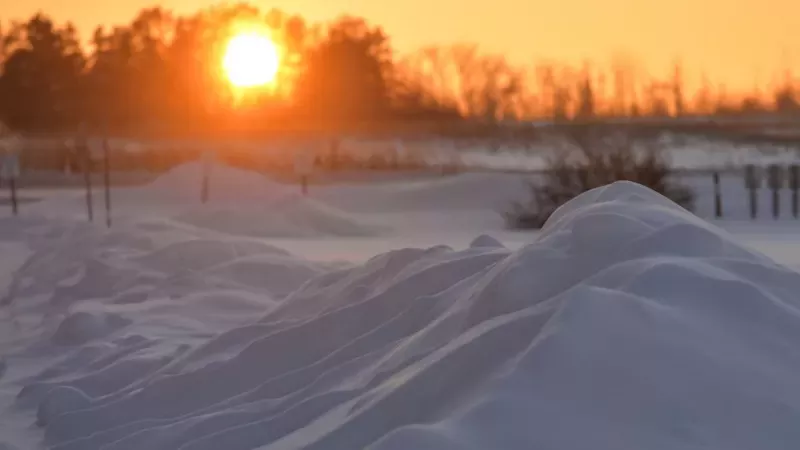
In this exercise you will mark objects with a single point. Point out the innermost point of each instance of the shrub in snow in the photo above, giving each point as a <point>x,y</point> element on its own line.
<point>587,159</point>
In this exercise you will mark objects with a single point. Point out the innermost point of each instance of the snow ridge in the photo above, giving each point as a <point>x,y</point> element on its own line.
<point>628,323</point>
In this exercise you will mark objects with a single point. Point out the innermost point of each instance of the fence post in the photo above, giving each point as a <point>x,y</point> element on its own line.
<point>204,188</point>
<point>334,154</point>
<point>794,185</point>
<point>107,180</point>
<point>9,167</point>
<point>12,184</point>
<point>9,170</point>
<point>304,166</point>
<point>752,181</point>
<point>717,197</point>
<point>87,177</point>
<point>775,181</point>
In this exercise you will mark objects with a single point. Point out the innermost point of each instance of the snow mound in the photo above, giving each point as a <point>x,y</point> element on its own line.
<point>61,400</point>
<point>83,326</point>
<point>628,323</point>
<point>485,240</point>
<point>240,203</point>
<point>175,189</point>
<point>243,203</point>
<point>470,191</point>
<point>225,184</point>
<point>288,216</point>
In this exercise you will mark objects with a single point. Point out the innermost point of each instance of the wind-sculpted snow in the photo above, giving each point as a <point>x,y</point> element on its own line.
<point>239,202</point>
<point>627,323</point>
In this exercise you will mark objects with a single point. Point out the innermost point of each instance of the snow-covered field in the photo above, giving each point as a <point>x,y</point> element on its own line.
<point>396,315</point>
<point>682,152</point>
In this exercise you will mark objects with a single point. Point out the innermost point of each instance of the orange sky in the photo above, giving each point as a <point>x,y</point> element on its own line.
<point>735,41</point>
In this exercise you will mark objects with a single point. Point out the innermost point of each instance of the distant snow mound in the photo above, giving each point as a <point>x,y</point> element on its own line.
<point>225,184</point>
<point>470,191</point>
<point>292,215</point>
<point>175,189</point>
<point>485,241</point>
<point>627,324</point>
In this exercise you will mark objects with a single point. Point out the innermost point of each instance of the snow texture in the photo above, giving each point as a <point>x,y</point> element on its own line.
<point>626,323</point>
<point>239,202</point>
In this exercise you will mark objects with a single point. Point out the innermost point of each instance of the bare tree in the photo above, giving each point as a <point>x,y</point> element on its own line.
<point>586,108</point>
<point>677,89</point>
<point>481,85</point>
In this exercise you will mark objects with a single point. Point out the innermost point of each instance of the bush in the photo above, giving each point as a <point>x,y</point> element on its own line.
<point>587,159</point>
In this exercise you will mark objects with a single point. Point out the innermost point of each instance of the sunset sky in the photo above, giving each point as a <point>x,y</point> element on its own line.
<point>740,42</point>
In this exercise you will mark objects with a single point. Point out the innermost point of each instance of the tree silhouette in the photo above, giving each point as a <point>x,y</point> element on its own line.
<point>161,74</point>
<point>586,96</point>
<point>41,79</point>
<point>346,75</point>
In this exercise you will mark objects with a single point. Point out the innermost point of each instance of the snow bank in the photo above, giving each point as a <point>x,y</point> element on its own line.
<point>246,203</point>
<point>290,216</point>
<point>628,323</point>
<point>225,184</point>
<point>470,191</point>
<point>240,202</point>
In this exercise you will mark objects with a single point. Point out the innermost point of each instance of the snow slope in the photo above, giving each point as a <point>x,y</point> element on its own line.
<point>239,202</point>
<point>627,323</point>
<point>470,191</point>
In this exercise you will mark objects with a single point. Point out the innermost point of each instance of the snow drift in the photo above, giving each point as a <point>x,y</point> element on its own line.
<point>290,216</point>
<point>628,323</point>
<point>240,202</point>
<point>468,191</point>
<point>225,184</point>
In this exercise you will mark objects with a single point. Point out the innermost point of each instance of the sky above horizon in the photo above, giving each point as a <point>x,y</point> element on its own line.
<point>739,43</point>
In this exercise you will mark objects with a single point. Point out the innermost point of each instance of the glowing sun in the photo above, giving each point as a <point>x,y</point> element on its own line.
<point>251,60</point>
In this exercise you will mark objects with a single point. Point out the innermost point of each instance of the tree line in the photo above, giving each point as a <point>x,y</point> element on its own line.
<point>161,73</point>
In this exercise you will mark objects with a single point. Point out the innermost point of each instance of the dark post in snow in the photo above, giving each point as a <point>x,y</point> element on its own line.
<point>397,152</point>
<point>107,180</point>
<point>10,171</point>
<point>794,185</point>
<point>775,180</point>
<point>83,149</point>
<point>752,181</point>
<point>717,197</point>
<point>334,154</point>
<point>204,188</point>
<point>12,184</point>
<point>9,168</point>
<point>303,166</point>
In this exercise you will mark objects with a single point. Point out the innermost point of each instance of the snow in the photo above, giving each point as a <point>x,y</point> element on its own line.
<point>240,202</point>
<point>393,316</point>
<point>682,152</point>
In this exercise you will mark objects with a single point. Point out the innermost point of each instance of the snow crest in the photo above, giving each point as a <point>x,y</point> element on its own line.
<point>628,323</point>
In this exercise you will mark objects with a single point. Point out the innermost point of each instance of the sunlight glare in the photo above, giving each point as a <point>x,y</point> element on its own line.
<point>251,60</point>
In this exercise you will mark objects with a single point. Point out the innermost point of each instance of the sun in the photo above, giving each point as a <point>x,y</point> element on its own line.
<point>251,60</point>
